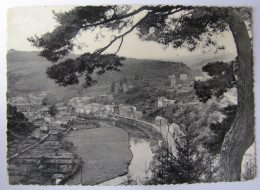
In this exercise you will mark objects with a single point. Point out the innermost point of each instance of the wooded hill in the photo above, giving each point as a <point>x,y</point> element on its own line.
<point>26,72</point>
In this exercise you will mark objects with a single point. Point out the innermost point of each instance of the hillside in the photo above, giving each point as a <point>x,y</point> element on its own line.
<point>196,62</point>
<point>149,70</point>
<point>26,74</point>
<point>223,57</point>
<point>23,56</point>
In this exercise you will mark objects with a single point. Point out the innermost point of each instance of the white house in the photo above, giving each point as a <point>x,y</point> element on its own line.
<point>163,102</point>
<point>183,77</point>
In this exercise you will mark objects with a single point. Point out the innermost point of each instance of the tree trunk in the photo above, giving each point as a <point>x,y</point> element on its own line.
<point>241,134</point>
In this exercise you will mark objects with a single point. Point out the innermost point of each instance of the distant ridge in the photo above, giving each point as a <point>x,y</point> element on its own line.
<point>199,60</point>
<point>27,56</point>
<point>23,56</point>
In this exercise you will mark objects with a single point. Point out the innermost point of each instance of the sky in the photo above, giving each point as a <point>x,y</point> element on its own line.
<point>24,22</point>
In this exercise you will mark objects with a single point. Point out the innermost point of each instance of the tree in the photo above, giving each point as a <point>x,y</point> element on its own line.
<point>189,165</point>
<point>17,124</point>
<point>53,111</point>
<point>169,25</point>
<point>222,79</point>
<point>44,102</point>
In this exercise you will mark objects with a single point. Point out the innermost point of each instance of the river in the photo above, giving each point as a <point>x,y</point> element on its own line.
<point>109,152</point>
<point>139,167</point>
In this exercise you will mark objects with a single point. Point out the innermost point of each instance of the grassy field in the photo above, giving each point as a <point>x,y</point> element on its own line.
<point>104,151</point>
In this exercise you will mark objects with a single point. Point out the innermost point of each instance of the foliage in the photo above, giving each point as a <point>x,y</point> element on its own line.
<point>162,171</point>
<point>59,136</point>
<point>53,111</point>
<point>222,80</point>
<point>201,117</point>
<point>13,113</point>
<point>166,112</point>
<point>68,72</point>
<point>44,101</point>
<point>17,124</point>
<point>68,146</point>
<point>188,166</point>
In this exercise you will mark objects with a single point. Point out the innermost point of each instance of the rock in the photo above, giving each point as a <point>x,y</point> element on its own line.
<point>160,121</point>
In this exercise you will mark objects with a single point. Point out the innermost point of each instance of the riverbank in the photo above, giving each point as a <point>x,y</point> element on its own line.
<point>105,152</point>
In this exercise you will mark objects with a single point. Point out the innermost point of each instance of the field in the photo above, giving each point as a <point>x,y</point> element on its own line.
<point>105,153</point>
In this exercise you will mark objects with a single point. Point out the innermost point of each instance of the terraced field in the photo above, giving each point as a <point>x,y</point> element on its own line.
<point>45,164</point>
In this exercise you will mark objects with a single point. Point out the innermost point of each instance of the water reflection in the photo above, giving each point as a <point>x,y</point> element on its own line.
<point>139,166</point>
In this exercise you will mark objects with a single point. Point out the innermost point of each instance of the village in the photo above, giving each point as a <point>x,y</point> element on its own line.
<point>38,113</point>
<point>80,110</point>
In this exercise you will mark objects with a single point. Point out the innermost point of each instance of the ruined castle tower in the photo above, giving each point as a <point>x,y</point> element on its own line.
<point>172,79</point>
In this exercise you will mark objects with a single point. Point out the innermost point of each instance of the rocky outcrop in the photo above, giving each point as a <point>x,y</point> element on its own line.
<point>160,121</point>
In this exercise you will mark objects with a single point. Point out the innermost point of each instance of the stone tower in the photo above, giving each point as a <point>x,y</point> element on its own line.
<point>172,79</point>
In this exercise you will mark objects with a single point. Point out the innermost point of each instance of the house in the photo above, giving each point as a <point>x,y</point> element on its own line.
<point>23,107</point>
<point>203,77</point>
<point>138,115</point>
<point>92,108</point>
<point>160,121</point>
<point>59,123</point>
<point>109,109</point>
<point>44,111</point>
<point>126,110</point>
<point>79,101</point>
<point>64,110</point>
<point>183,77</point>
<point>44,94</point>
<point>34,100</point>
<point>44,128</point>
<point>18,100</point>
<point>173,80</point>
<point>36,133</point>
<point>199,78</point>
<point>163,102</point>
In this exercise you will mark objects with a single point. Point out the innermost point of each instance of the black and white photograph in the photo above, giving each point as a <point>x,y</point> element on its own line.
<point>130,95</point>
